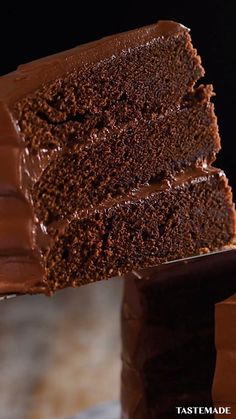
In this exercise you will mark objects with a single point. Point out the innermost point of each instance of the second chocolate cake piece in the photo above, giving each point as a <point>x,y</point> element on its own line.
<point>168,349</point>
<point>224,385</point>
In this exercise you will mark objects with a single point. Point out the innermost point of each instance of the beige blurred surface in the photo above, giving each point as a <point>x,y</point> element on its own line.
<point>60,355</point>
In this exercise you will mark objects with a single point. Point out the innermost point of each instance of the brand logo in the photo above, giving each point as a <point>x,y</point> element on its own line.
<point>203,410</point>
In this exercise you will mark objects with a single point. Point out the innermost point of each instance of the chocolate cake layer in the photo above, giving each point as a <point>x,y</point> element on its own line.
<point>168,349</point>
<point>157,58</point>
<point>160,222</point>
<point>193,214</point>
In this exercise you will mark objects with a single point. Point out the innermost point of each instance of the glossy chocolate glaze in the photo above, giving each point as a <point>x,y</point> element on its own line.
<point>182,275</point>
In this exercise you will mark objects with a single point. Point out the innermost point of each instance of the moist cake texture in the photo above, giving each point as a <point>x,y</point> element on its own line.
<point>86,136</point>
<point>112,161</point>
<point>160,222</point>
<point>168,329</point>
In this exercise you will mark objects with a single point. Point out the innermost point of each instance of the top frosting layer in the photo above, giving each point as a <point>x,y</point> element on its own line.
<point>30,76</point>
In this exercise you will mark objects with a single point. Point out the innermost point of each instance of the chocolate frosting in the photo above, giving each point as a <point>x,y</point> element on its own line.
<point>190,176</point>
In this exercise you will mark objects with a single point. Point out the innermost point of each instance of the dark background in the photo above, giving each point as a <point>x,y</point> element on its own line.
<point>29,31</point>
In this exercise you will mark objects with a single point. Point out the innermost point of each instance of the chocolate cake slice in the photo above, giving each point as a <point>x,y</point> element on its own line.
<point>168,327</point>
<point>81,130</point>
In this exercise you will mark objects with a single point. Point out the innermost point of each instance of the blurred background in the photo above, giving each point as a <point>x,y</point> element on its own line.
<point>61,355</point>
